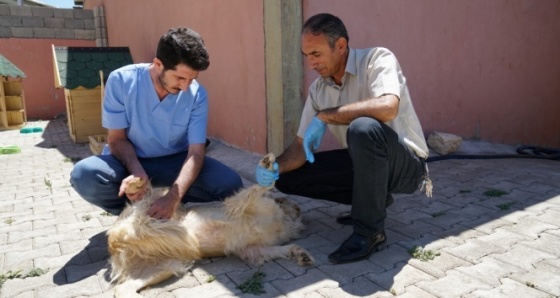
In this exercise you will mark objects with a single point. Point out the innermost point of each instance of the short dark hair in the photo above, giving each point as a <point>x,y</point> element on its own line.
<point>324,23</point>
<point>182,45</point>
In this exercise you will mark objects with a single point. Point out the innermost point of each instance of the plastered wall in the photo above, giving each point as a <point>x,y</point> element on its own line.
<point>478,69</point>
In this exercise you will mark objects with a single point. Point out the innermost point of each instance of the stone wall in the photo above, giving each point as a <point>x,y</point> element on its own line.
<point>46,22</point>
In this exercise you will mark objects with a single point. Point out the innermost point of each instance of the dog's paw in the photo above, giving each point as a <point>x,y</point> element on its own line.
<point>134,186</point>
<point>267,161</point>
<point>302,256</point>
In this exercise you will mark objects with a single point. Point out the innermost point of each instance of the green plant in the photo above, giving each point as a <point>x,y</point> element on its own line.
<point>505,206</point>
<point>495,193</point>
<point>9,275</point>
<point>17,274</point>
<point>105,213</point>
<point>210,278</point>
<point>72,159</point>
<point>393,291</point>
<point>35,272</point>
<point>422,254</point>
<point>530,284</point>
<point>253,285</point>
<point>48,183</point>
<point>8,221</point>
<point>86,217</point>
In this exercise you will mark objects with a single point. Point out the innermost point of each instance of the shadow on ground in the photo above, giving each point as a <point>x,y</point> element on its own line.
<point>471,199</point>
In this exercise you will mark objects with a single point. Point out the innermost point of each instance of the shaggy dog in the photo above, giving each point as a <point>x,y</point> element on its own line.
<point>145,251</point>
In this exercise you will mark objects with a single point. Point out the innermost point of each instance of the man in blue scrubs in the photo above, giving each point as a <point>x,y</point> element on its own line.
<point>156,115</point>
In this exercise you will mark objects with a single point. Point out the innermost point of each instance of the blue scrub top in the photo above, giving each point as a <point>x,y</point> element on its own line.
<point>155,128</point>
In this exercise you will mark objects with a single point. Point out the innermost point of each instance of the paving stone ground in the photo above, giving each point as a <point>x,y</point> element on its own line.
<point>494,223</point>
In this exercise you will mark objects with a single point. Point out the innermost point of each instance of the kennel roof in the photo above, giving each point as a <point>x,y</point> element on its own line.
<point>8,69</point>
<point>80,66</point>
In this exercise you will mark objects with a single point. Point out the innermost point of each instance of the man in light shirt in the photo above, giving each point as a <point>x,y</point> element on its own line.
<point>362,97</point>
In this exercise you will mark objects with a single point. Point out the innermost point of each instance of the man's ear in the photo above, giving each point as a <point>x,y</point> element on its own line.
<point>158,64</point>
<point>341,44</point>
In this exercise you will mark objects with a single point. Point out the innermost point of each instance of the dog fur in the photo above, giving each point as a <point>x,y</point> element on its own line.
<point>250,225</point>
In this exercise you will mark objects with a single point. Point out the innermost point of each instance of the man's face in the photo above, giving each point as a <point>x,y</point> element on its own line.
<point>326,61</point>
<point>175,80</point>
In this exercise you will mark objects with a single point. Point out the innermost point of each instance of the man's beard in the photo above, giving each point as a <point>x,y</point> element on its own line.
<point>164,84</point>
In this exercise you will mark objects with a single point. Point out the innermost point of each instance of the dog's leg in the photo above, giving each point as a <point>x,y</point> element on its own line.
<point>150,275</point>
<point>260,254</point>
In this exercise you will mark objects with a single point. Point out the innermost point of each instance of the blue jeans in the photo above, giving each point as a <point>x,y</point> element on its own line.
<point>376,164</point>
<point>98,178</point>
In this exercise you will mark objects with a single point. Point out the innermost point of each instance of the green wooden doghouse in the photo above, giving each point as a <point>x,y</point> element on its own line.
<point>12,102</point>
<point>82,72</point>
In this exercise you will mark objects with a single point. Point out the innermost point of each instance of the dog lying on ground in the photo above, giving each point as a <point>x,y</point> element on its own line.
<point>145,251</point>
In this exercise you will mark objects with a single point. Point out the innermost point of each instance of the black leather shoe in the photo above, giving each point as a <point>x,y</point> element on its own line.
<point>347,219</point>
<point>356,247</point>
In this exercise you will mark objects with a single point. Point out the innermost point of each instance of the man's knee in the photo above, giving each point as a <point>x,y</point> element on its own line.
<point>91,183</point>
<point>365,129</point>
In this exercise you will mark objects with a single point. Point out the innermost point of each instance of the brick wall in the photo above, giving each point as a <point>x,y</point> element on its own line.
<point>46,22</point>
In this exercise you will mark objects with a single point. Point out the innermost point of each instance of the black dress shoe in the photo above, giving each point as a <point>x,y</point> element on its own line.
<point>356,247</point>
<point>347,219</point>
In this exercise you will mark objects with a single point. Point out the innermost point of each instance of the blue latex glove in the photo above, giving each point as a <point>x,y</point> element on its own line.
<point>266,177</point>
<point>313,137</point>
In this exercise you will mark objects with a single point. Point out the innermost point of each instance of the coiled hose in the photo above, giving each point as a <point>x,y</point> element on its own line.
<point>522,152</point>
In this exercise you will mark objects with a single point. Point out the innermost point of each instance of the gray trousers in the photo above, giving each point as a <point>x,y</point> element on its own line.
<point>375,165</point>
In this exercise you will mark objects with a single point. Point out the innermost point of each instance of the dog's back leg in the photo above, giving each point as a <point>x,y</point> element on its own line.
<point>149,275</point>
<point>260,254</point>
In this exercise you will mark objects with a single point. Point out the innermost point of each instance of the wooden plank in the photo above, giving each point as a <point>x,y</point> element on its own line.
<point>3,114</point>
<point>81,91</point>
<point>15,118</point>
<point>14,103</point>
<point>12,87</point>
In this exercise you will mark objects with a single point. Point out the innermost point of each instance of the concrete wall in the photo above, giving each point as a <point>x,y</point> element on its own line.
<point>26,36</point>
<point>479,69</point>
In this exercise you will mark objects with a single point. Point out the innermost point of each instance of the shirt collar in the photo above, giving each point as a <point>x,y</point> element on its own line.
<point>351,63</point>
<point>351,68</point>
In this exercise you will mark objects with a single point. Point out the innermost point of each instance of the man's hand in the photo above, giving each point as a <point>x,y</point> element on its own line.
<point>313,137</point>
<point>164,207</point>
<point>134,187</point>
<point>266,177</point>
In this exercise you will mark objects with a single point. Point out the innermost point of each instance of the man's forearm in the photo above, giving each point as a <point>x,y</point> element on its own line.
<point>384,109</point>
<point>188,174</point>
<point>293,157</point>
<point>124,152</point>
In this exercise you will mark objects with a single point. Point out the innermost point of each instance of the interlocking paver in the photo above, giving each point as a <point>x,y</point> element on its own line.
<point>490,271</point>
<point>400,277</point>
<point>503,246</point>
<point>507,289</point>
<point>544,278</point>
<point>453,284</point>
<point>415,292</point>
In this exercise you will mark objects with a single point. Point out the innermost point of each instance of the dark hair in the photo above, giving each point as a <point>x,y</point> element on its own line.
<point>182,45</point>
<point>327,24</point>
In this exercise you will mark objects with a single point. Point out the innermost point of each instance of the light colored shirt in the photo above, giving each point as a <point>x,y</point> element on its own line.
<point>155,128</point>
<point>369,73</point>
